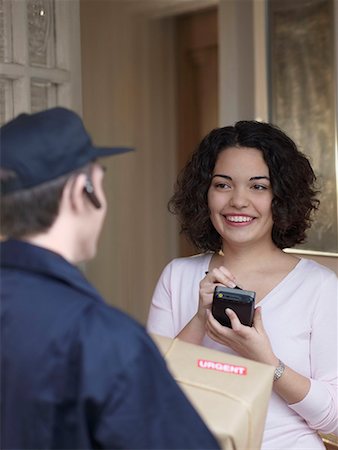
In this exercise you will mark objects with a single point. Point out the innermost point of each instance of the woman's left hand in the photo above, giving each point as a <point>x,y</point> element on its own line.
<point>249,342</point>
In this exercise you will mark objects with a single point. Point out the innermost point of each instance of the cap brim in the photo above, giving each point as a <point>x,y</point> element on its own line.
<point>109,151</point>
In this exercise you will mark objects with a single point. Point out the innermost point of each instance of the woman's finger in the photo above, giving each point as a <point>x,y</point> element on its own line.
<point>235,322</point>
<point>257,319</point>
<point>222,276</point>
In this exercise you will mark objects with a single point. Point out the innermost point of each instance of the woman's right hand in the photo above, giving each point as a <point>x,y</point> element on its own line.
<point>194,331</point>
<point>216,276</point>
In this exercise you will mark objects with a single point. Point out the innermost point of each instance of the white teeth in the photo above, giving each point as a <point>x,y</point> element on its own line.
<point>239,219</point>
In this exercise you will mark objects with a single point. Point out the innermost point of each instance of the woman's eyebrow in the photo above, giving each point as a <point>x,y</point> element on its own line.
<point>227,177</point>
<point>260,178</point>
<point>222,176</point>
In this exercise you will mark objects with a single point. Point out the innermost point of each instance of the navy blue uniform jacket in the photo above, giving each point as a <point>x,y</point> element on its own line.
<point>78,374</point>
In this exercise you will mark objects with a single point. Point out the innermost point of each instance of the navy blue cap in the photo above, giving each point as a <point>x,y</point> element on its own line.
<point>43,146</point>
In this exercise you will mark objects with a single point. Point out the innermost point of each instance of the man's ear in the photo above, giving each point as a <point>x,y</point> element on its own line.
<point>73,192</point>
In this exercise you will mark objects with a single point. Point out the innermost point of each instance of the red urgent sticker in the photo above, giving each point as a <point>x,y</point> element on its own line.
<point>221,367</point>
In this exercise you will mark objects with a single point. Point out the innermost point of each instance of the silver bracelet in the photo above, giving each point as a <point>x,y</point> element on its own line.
<point>279,370</point>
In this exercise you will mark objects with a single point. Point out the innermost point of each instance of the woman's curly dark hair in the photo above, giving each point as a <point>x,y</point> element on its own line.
<point>292,181</point>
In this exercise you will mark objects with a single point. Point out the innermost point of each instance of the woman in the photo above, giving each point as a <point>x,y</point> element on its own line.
<point>247,194</point>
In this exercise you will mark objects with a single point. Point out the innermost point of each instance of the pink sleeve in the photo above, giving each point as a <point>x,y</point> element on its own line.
<point>319,408</point>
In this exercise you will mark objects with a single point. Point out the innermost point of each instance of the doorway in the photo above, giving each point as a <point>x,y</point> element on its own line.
<point>197,87</point>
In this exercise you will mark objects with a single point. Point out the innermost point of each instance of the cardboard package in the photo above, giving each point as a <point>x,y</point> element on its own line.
<point>230,393</point>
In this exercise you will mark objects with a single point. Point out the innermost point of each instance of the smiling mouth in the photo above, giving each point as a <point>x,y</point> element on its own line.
<point>239,219</point>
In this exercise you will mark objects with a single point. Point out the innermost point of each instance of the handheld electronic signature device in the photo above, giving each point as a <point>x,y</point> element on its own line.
<point>240,301</point>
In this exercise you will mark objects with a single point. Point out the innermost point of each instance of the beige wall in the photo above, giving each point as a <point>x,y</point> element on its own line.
<point>123,67</point>
<point>129,98</point>
<point>330,262</point>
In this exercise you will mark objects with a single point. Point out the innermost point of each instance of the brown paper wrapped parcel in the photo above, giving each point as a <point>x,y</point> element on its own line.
<point>230,393</point>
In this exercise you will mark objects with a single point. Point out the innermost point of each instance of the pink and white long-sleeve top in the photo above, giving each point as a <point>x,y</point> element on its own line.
<point>300,317</point>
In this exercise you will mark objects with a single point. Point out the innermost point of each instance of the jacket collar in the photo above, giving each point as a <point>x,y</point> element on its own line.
<point>21,255</point>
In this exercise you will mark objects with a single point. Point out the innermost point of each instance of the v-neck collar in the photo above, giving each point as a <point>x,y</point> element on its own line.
<point>286,279</point>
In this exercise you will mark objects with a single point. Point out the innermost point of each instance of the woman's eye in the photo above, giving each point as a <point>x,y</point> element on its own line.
<point>222,186</point>
<point>259,187</point>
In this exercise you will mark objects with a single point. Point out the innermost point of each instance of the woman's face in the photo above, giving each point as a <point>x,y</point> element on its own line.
<point>240,197</point>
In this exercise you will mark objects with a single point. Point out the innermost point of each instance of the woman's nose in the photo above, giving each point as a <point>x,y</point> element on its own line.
<point>239,198</point>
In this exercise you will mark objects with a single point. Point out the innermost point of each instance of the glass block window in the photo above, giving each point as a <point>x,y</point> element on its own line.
<point>6,97</point>
<point>42,94</point>
<point>5,31</point>
<point>2,32</point>
<point>39,63</point>
<point>41,32</point>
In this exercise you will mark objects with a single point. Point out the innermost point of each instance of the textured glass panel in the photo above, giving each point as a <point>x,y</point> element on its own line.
<point>2,101</point>
<point>41,42</point>
<point>5,27</point>
<point>39,94</point>
<point>6,92</point>
<point>2,32</point>
<point>302,95</point>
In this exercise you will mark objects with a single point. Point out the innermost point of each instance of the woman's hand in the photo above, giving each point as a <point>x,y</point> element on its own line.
<point>195,330</point>
<point>249,342</point>
<point>253,343</point>
<point>213,278</point>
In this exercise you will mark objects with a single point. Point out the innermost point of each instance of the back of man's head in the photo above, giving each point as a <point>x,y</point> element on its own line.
<point>39,153</point>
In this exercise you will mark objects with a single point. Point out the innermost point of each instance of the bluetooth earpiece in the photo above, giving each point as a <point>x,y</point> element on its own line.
<point>90,193</point>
